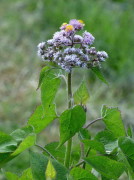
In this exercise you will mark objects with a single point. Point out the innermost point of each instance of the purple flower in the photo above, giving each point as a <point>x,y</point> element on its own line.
<point>60,38</point>
<point>78,38</point>
<point>102,55</point>
<point>68,50</point>
<point>77,24</point>
<point>63,26</point>
<point>88,38</point>
<point>50,42</point>
<point>41,45</point>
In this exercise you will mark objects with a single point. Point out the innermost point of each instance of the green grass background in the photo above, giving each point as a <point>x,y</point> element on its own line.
<point>25,23</point>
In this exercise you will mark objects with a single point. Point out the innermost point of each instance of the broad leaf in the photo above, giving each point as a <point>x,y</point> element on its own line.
<point>99,74</point>
<point>3,157</point>
<point>81,96</point>
<point>49,89</point>
<point>7,143</point>
<point>82,174</point>
<point>105,166</point>
<point>71,121</point>
<point>26,175</point>
<point>108,139</point>
<point>84,134</point>
<point>25,144</point>
<point>43,74</point>
<point>127,146</point>
<point>104,178</point>
<point>113,121</point>
<point>11,176</point>
<point>130,132</point>
<point>20,134</point>
<point>129,167</point>
<point>50,171</point>
<point>94,144</point>
<point>39,164</point>
<point>40,119</point>
<point>57,153</point>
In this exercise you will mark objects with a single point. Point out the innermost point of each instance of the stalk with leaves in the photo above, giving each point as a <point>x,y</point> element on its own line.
<point>107,155</point>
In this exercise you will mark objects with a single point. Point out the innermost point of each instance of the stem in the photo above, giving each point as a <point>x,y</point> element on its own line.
<point>69,90</point>
<point>69,143</point>
<point>82,149</point>
<point>92,122</point>
<point>78,164</point>
<point>45,150</point>
<point>88,151</point>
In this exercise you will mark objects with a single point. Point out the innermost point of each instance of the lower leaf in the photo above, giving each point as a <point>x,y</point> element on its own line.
<point>105,166</point>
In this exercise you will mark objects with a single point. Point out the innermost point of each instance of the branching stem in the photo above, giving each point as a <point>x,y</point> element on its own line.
<point>45,150</point>
<point>92,122</point>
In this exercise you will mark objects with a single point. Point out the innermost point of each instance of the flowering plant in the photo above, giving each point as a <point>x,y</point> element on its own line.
<point>108,155</point>
<point>69,50</point>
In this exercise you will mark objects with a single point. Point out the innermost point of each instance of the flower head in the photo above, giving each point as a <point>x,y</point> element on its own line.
<point>77,24</point>
<point>68,50</point>
<point>78,38</point>
<point>81,21</point>
<point>88,38</point>
<point>69,28</point>
<point>63,26</point>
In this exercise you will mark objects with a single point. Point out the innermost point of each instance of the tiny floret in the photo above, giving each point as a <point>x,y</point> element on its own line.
<point>77,24</point>
<point>88,38</point>
<point>63,26</point>
<point>69,28</point>
<point>78,38</point>
<point>81,21</point>
<point>68,50</point>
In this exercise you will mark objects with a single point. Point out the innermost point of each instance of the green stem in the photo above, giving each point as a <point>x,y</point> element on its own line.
<point>69,142</point>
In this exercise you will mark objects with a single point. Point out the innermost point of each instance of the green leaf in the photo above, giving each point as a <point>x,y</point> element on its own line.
<point>84,134</point>
<point>39,164</point>
<point>127,146</point>
<point>20,134</point>
<point>129,167</point>
<point>129,131</point>
<point>43,74</point>
<point>81,96</point>
<point>50,171</point>
<point>104,178</point>
<point>40,119</point>
<point>26,175</point>
<point>57,153</point>
<point>3,157</point>
<point>71,121</point>
<point>113,121</point>
<point>81,174</point>
<point>94,144</point>
<point>11,176</point>
<point>108,139</point>
<point>49,89</point>
<point>25,144</point>
<point>7,143</point>
<point>99,74</point>
<point>105,166</point>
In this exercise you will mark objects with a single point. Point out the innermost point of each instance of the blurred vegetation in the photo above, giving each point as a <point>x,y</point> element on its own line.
<point>25,23</point>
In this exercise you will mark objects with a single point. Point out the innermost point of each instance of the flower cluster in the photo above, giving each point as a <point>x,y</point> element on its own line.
<point>69,50</point>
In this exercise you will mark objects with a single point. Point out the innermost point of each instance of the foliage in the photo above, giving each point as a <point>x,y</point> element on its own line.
<point>112,148</point>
